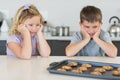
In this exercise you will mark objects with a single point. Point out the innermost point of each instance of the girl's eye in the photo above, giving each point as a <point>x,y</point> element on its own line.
<point>30,25</point>
<point>38,25</point>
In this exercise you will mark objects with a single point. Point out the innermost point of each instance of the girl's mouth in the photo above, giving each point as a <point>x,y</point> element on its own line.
<point>33,33</point>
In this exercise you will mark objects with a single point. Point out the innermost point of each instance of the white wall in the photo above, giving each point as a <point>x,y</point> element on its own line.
<point>65,11</point>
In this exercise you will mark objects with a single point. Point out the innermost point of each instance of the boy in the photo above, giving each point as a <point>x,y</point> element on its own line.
<point>91,40</point>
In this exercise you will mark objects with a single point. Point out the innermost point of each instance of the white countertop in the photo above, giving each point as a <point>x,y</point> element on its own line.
<point>3,36</point>
<point>36,68</point>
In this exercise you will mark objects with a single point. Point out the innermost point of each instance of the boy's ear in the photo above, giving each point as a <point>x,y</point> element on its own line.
<point>101,24</point>
<point>79,22</point>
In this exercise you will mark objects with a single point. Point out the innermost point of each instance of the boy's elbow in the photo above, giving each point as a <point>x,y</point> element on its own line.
<point>114,54</point>
<point>68,53</point>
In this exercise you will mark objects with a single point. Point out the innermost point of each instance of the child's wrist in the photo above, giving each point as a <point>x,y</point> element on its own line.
<point>96,39</point>
<point>39,33</point>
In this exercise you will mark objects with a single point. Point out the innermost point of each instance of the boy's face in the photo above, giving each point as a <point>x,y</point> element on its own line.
<point>91,28</point>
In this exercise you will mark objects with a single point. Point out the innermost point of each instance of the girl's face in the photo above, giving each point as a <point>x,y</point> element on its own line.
<point>33,24</point>
<point>91,28</point>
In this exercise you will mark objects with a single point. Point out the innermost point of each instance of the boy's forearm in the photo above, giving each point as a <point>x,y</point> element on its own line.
<point>73,49</point>
<point>108,48</point>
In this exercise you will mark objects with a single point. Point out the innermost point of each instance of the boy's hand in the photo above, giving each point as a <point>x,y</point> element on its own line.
<point>86,36</point>
<point>97,34</point>
<point>22,29</point>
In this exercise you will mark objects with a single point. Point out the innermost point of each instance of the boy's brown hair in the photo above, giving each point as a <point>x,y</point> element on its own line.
<point>91,14</point>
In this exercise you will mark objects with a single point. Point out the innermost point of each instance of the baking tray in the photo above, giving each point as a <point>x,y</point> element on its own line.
<point>107,75</point>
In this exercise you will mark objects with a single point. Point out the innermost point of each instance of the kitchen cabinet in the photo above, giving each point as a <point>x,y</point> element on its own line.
<point>58,47</point>
<point>2,47</point>
<point>117,44</point>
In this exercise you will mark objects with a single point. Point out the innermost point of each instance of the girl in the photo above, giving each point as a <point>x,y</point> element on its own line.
<point>26,34</point>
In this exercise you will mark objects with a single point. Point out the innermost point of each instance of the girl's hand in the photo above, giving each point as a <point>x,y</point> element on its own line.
<point>40,29</point>
<point>86,36</point>
<point>22,29</point>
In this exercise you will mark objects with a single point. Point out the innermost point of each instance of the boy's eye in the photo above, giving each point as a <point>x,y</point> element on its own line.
<point>87,26</point>
<point>94,26</point>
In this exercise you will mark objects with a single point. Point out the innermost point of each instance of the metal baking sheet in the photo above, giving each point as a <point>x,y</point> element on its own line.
<point>107,75</point>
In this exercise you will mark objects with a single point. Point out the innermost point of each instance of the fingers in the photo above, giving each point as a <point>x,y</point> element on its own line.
<point>97,34</point>
<point>22,28</point>
<point>41,26</point>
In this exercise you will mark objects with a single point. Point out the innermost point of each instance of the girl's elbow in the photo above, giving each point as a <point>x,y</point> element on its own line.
<point>46,54</point>
<point>24,57</point>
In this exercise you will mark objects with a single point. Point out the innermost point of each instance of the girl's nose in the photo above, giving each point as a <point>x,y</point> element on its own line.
<point>34,28</point>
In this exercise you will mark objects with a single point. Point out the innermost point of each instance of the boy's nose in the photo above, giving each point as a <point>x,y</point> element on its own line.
<point>91,31</point>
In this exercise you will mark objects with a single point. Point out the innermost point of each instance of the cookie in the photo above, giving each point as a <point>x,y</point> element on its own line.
<point>116,73</point>
<point>60,69</point>
<point>107,68</point>
<point>96,73</point>
<point>86,65</point>
<point>99,70</point>
<point>118,69</point>
<point>72,64</point>
<point>66,67</point>
<point>82,68</point>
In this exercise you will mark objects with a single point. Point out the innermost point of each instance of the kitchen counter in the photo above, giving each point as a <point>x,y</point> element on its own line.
<point>3,36</point>
<point>12,68</point>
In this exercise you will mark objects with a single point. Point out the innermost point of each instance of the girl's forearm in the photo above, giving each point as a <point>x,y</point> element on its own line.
<point>44,48</point>
<point>26,49</point>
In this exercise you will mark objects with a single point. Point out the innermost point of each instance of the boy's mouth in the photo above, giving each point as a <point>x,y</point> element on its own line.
<point>91,35</point>
<point>91,39</point>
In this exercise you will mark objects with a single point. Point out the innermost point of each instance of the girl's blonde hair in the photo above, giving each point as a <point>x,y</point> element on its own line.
<point>23,13</point>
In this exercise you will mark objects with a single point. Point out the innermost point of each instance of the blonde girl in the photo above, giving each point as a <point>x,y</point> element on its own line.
<point>26,34</point>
